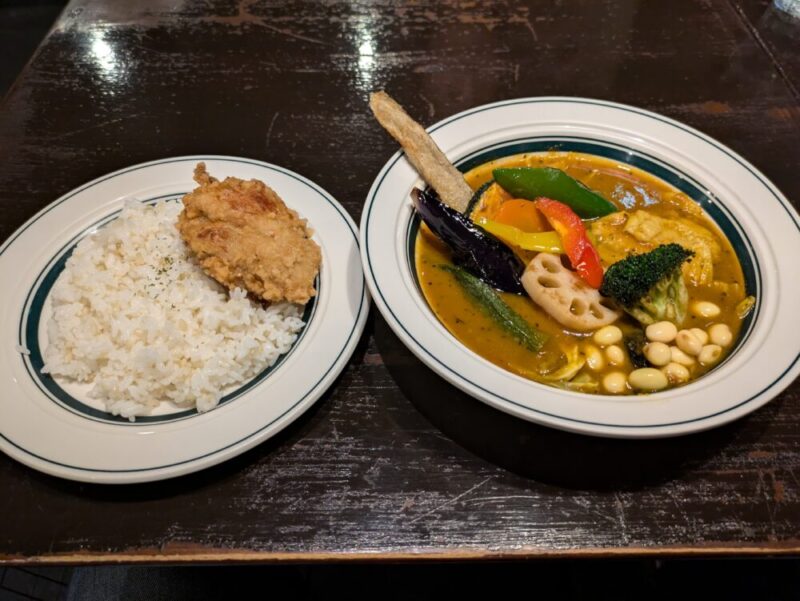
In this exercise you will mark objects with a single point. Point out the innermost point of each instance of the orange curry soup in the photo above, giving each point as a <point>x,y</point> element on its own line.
<point>630,189</point>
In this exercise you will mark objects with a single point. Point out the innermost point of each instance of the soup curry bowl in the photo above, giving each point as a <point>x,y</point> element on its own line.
<point>645,163</point>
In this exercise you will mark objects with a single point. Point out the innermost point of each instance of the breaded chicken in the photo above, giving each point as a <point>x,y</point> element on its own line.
<point>244,236</point>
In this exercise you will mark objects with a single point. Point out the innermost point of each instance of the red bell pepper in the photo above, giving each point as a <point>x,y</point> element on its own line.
<point>579,249</point>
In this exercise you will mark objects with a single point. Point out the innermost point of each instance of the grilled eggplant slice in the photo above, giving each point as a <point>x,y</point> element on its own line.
<point>474,249</point>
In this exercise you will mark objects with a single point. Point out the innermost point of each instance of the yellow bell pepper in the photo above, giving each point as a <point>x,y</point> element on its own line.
<point>548,242</point>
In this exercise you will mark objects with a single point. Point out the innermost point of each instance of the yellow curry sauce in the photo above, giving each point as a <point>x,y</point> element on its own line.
<point>630,189</point>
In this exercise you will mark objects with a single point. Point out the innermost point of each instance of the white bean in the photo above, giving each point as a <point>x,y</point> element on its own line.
<point>688,342</point>
<point>647,378</point>
<point>710,354</point>
<point>720,334</point>
<point>657,353</point>
<point>607,335</point>
<point>676,373</point>
<point>661,331</point>
<point>594,358</point>
<point>615,382</point>
<point>705,309</point>
<point>679,357</point>
<point>701,335</point>
<point>615,355</point>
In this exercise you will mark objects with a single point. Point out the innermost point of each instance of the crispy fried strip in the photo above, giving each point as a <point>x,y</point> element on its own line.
<point>422,151</point>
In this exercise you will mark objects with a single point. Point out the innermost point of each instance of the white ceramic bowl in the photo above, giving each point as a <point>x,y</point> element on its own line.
<point>761,224</point>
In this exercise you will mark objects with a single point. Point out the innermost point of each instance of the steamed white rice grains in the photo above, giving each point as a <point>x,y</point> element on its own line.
<point>137,318</point>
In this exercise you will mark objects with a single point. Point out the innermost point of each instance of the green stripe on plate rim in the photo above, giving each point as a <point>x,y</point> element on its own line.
<point>399,155</point>
<point>359,314</point>
<point>34,362</point>
<point>674,177</point>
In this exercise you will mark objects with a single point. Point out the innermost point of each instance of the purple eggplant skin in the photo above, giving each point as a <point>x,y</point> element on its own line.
<point>474,249</point>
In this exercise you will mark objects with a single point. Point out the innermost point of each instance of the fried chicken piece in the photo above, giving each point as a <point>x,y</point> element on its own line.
<point>244,236</point>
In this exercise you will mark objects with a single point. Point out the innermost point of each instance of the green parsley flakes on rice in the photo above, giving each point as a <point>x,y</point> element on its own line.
<point>136,317</point>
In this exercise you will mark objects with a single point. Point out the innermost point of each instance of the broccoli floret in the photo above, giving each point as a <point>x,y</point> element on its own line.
<point>650,286</point>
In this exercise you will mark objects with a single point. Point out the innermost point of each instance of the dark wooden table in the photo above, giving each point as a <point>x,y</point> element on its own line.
<point>394,463</point>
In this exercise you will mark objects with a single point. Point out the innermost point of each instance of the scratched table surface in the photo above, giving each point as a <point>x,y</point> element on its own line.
<point>393,463</point>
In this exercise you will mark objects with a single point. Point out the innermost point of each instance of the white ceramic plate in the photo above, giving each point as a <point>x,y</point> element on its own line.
<point>759,221</point>
<point>54,427</point>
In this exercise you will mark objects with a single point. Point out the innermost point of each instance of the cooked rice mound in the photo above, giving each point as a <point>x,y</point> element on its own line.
<point>137,318</point>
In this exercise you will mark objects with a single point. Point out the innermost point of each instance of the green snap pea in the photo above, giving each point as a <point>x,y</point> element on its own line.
<point>533,182</point>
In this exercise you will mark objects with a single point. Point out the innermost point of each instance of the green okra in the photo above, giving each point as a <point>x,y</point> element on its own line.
<point>496,308</point>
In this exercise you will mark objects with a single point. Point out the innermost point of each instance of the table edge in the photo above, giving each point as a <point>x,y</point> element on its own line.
<point>192,555</point>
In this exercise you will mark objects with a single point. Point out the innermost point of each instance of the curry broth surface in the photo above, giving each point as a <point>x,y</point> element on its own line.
<point>628,188</point>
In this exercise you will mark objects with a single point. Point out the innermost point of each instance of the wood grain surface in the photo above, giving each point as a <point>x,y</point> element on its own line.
<point>393,463</point>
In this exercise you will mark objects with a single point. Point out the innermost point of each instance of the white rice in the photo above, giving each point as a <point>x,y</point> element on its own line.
<point>137,318</point>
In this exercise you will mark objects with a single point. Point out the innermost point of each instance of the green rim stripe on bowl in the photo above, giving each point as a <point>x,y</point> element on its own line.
<point>677,179</point>
<point>399,155</point>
